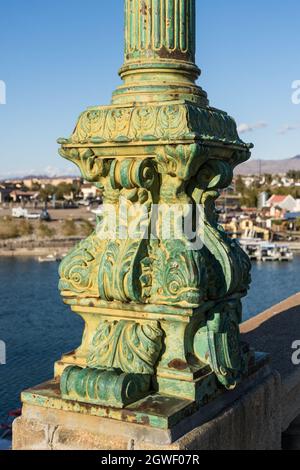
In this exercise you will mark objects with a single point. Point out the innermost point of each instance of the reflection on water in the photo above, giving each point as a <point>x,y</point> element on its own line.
<point>38,328</point>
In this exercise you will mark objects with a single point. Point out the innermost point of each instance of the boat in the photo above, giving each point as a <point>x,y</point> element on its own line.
<point>259,250</point>
<point>273,252</point>
<point>285,252</point>
<point>49,259</point>
<point>250,245</point>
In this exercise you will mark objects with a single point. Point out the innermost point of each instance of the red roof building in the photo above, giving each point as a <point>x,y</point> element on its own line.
<point>286,203</point>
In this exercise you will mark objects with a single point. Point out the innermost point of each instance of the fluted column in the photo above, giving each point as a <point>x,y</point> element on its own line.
<point>160,28</point>
<point>160,48</point>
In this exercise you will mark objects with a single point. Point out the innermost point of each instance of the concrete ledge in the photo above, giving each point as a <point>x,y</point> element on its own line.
<point>274,332</point>
<point>254,410</point>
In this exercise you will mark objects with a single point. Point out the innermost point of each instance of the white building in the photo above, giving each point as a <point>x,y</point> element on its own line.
<point>88,191</point>
<point>287,203</point>
<point>262,200</point>
<point>297,206</point>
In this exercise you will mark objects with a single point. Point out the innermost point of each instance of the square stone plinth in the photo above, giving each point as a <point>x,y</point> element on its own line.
<point>247,418</point>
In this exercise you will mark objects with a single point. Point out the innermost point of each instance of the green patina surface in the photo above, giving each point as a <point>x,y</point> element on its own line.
<point>156,410</point>
<point>153,307</point>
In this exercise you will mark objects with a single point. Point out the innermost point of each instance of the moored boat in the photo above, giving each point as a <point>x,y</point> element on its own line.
<point>49,258</point>
<point>250,246</point>
<point>264,251</point>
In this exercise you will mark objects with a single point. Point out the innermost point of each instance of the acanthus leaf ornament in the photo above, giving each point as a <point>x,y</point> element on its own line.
<point>129,346</point>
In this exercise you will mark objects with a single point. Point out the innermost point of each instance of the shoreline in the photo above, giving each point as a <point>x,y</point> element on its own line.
<point>294,246</point>
<point>36,248</point>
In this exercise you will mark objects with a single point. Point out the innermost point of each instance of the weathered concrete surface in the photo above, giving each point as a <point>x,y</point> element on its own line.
<point>274,332</point>
<point>255,412</point>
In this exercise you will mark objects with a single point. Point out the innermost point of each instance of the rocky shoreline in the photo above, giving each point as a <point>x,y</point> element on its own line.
<point>33,247</point>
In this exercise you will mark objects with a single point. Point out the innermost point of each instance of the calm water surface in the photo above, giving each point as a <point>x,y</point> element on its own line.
<point>38,328</point>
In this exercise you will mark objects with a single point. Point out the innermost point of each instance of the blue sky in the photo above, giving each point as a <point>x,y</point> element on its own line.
<point>58,57</point>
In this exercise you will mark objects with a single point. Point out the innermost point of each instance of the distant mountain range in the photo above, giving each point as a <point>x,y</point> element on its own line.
<point>255,167</point>
<point>36,176</point>
<point>252,167</point>
<point>48,172</point>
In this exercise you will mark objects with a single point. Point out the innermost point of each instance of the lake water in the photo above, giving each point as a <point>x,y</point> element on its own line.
<point>37,328</point>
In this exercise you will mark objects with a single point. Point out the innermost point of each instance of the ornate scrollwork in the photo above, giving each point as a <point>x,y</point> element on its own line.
<point>177,165</point>
<point>129,346</point>
<point>92,167</point>
<point>100,387</point>
<point>90,124</point>
<point>133,173</point>
<point>178,274</point>
<point>143,123</point>
<point>117,123</point>
<point>79,269</point>
<point>121,269</point>
<point>219,343</point>
<point>156,122</point>
<point>181,161</point>
<point>171,121</point>
<point>228,266</point>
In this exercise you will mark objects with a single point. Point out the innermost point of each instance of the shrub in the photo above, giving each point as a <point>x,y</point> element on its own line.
<point>8,229</point>
<point>25,228</point>
<point>69,228</point>
<point>44,231</point>
<point>277,222</point>
<point>86,228</point>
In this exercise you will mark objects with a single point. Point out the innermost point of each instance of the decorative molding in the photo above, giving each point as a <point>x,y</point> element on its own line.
<point>79,269</point>
<point>219,344</point>
<point>152,123</point>
<point>106,387</point>
<point>129,346</point>
<point>178,274</point>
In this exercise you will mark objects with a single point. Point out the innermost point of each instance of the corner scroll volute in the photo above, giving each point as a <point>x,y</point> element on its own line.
<point>182,161</point>
<point>92,167</point>
<point>131,173</point>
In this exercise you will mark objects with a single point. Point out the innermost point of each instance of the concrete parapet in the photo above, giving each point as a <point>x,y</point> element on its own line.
<point>252,408</point>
